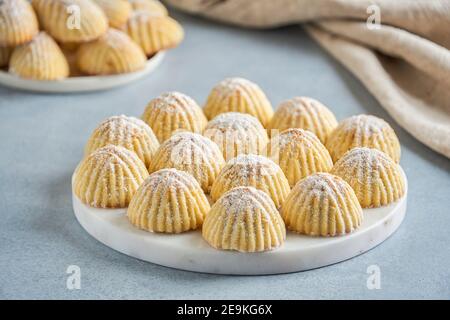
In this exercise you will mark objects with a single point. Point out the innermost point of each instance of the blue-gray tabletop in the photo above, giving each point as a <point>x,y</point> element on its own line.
<point>42,138</point>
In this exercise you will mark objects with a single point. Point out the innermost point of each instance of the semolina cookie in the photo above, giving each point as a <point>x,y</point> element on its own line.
<point>375,177</point>
<point>237,133</point>
<point>193,153</point>
<point>239,95</point>
<point>252,171</point>
<point>18,23</point>
<point>128,132</point>
<point>109,177</point>
<point>153,32</point>
<point>363,131</point>
<point>71,20</point>
<point>112,53</point>
<point>299,153</point>
<point>304,113</point>
<point>39,59</point>
<point>152,6</point>
<point>244,219</point>
<point>173,111</point>
<point>117,11</point>
<point>322,205</point>
<point>169,201</point>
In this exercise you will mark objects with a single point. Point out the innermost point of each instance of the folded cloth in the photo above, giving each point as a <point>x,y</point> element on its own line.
<point>403,59</point>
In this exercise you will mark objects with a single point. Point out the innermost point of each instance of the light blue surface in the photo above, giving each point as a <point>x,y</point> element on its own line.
<point>42,139</point>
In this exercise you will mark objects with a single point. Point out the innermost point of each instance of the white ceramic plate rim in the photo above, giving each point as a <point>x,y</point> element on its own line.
<point>188,251</point>
<point>80,84</point>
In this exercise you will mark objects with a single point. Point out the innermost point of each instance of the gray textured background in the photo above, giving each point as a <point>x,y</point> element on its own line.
<point>42,138</point>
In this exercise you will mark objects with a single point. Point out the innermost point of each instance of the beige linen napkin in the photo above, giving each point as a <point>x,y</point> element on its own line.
<point>404,61</point>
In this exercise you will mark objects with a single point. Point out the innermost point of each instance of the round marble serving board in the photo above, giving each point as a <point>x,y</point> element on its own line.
<point>80,84</point>
<point>188,251</point>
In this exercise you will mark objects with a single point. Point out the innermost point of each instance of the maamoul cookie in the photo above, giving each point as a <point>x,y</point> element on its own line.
<point>239,95</point>
<point>375,177</point>
<point>237,133</point>
<point>304,113</point>
<point>363,131</point>
<point>253,171</point>
<point>109,177</point>
<point>128,132</point>
<point>322,205</point>
<point>169,201</point>
<point>117,11</point>
<point>71,20</point>
<point>18,23</point>
<point>154,32</point>
<point>39,59</point>
<point>174,111</point>
<point>193,153</point>
<point>112,53</point>
<point>5,54</point>
<point>299,153</point>
<point>244,219</point>
<point>152,6</point>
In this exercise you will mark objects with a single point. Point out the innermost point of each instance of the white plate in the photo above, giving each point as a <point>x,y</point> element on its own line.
<point>188,251</point>
<point>80,84</point>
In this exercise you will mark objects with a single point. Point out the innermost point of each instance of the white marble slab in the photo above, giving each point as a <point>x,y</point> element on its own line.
<point>80,84</point>
<point>188,251</point>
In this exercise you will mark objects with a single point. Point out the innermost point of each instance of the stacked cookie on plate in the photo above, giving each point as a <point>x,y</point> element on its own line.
<point>55,39</point>
<point>247,174</point>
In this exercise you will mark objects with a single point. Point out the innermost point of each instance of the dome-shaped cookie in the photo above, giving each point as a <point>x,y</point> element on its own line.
<point>375,177</point>
<point>244,219</point>
<point>39,59</point>
<point>174,111</point>
<point>322,205</point>
<point>117,11</point>
<point>237,133</point>
<point>192,153</point>
<point>253,171</point>
<point>169,201</point>
<point>109,177</point>
<point>363,131</point>
<point>239,95</point>
<point>128,132</point>
<point>153,32</point>
<point>71,20</point>
<point>112,53</point>
<point>152,6</point>
<point>304,113</point>
<point>18,23</point>
<point>5,54</point>
<point>299,153</point>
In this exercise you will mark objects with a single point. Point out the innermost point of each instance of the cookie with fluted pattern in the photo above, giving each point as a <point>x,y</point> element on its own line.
<point>244,219</point>
<point>324,205</point>
<point>169,201</point>
<point>109,177</point>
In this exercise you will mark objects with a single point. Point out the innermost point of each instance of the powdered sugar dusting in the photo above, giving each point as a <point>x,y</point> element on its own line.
<point>171,179</point>
<point>234,121</point>
<point>363,124</point>
<point>229,86</point>
<point>173,102</point>
<point>364,160</point>
<point>14,9</point>
<point>295,135</point>
<point>123,127</point>
<point>298,106</point>
<point>323,185</point>
<point>116,39</point>
<point>191,148</point>
<point>246,199</point>
<point>251,165</point>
